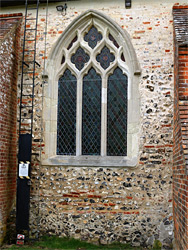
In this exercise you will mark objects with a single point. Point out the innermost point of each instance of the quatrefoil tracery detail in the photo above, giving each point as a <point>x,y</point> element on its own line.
<point>93,37</point>
<point>80,58</point>
<point>105,58</point>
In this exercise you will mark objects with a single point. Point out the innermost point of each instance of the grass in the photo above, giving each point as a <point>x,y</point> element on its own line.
<point>56,243</point>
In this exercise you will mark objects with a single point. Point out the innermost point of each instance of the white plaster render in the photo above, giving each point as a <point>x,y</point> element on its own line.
<point>55,70</point>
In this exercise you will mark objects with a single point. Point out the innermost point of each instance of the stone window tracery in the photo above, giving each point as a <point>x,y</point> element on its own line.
<point>93,37</point>
<point>91,106</point>
<point>80,58</point>
<point>105,58</point>
<point>99,87</point>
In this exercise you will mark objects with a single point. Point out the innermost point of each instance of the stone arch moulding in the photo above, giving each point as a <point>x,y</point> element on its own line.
<point>55,70</point>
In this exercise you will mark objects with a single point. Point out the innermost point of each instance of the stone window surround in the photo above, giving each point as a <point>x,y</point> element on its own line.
<point>55,70</point>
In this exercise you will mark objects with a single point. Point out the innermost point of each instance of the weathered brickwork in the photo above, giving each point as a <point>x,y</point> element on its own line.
<point>180,168</point>
<point>113,204</point>
<point>9,57</point>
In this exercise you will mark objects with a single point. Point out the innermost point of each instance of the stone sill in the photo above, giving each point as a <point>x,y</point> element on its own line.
<point>91,161</point>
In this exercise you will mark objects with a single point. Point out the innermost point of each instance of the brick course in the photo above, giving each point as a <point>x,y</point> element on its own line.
<point>180,149</point>
<point>9,57</point>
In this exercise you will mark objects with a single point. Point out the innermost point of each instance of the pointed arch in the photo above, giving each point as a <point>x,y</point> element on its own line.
<point>86,20</point>
<point>94,41</point>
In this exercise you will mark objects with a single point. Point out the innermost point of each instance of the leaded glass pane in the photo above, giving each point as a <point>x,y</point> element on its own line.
<point>66,116</point>
<point>93,37</point>
<point>91,114</point>
<point>105,58</point>
<point>80,58</point>
<point>117,114</point>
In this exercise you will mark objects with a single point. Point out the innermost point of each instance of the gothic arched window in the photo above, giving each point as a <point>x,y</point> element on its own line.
<point>102,97</point>
<point>92,74</point>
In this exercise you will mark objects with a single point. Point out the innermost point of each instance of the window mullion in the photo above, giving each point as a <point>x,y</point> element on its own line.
<point>79,117</point>
<point>104,117</point>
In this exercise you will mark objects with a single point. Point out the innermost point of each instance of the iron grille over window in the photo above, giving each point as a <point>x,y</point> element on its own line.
<point>92,97</point>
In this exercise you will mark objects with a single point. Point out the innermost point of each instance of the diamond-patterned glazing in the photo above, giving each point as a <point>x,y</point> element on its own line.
<point>105,58</point>
<point>91,114</point>
<point>66,117</point>
<point>117,114</point>
<point>80,58</point>
<point>93,37</point>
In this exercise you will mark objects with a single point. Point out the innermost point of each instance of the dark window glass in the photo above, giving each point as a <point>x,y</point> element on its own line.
<point>71,43</point>
<point>93,37</point>
<point>105,58</point>
<point>63,59</point>
<point>122,57</point>
<point>117,114</point>
<point>91,114</point>
<point>66,117</point>
<point>80,58</point>
<point>113,40</point>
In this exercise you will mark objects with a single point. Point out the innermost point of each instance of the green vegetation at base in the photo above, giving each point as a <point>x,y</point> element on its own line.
<point>70,243</point>
<point>57,243</point>
<point>157,245</point>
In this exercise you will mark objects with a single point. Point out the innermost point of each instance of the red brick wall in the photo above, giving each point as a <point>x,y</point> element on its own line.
<point>9,53</point>
<point>180,151</point>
